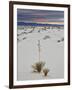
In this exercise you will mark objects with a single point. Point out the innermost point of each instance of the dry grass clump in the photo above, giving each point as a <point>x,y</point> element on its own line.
<point>38,66</point>
<point>45,71</point>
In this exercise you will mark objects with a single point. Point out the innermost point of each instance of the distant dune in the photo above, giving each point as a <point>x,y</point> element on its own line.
<point>37,24</point>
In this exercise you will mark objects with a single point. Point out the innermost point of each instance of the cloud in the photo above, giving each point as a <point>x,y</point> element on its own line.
<point>40,15</point>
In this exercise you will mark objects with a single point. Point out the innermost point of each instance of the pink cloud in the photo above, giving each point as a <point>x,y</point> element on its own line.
<point>40,20</point>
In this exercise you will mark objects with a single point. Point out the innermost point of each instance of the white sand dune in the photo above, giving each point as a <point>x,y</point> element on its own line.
<point>52,53</point>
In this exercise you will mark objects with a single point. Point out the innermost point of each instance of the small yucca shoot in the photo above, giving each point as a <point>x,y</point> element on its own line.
<point>45,71</point>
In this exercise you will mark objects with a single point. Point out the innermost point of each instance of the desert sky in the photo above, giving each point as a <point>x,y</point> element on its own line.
<point>40,16</point>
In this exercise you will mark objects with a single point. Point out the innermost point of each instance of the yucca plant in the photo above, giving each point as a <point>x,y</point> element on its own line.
<point>38,66</point>
<point>45,71</point>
